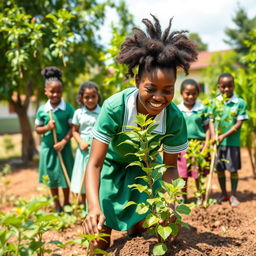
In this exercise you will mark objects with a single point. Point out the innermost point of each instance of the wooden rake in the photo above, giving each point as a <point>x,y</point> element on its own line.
<point>59,153</point>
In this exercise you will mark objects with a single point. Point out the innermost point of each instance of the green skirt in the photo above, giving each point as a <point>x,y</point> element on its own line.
<point>114,194</point>
<point>49,164</point>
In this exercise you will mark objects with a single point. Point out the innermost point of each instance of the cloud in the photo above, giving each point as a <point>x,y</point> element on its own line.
<point>207,18</point>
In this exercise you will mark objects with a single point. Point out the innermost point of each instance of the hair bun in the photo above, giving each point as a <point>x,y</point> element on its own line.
<point>49,72</point>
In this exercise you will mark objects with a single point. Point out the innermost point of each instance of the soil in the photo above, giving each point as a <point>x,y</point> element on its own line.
<point>216,231</point>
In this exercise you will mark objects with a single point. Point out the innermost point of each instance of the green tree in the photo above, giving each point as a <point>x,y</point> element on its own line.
<point>237,36</point>
<point>201,46</point>
<point>115,80</point>
<point>246,88</point>
<point>34,34</point>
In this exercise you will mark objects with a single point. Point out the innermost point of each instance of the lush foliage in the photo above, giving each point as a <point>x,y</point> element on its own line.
<point>36,34</point>
<point>163,205</point>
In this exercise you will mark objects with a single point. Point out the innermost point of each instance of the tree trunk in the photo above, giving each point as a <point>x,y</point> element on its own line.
<point>28,143</point>
<point>21,107</point>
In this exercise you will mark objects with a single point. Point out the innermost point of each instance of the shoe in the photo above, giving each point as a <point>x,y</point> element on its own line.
<point>234,202</point>
<point>59,210</point>
<point>183,200</point>
<point>222,199</point>
<point>199,202</point>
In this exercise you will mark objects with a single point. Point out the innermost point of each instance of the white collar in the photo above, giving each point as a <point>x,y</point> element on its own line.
<point>86,110</point>
<point>197,106</point>
<point>233,99</point>
<point>131,113</point>
<point>48,106</point>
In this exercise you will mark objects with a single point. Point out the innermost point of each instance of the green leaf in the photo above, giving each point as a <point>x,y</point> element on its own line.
<point>99,251</point>
<point>34,245</point>
<point>174,228</point>
<point>142,208</point>
<point>129,203</point>
<point>164,232</point>
<point>183,209</point>
<point>129,142</point>
<point>150,220</point>
<point>136,163</point>
<point>178,183</point>
<point>139,187</point>
<point>160,249</point>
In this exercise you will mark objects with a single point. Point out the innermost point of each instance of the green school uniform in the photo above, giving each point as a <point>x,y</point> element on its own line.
<point>196,119</point>
<point>235,109</point>
<point>49,163</point>
<point>117,112</point>
<point>85,119</point>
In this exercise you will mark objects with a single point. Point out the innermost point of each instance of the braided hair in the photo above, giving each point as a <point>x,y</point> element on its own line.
<point>51,74</point>
<point>157,49</point>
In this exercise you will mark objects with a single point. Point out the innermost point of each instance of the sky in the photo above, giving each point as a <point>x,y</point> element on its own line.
<point>208,18</point>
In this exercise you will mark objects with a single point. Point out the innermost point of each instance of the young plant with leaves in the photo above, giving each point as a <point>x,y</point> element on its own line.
<point>163,205</point>
<point>197,157</point>
<point>217,108</point>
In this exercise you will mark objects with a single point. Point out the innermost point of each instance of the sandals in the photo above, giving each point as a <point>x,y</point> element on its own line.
<point>222,199</point>
<point>234,202</point>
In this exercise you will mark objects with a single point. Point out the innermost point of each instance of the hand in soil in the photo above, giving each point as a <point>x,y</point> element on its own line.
<point>93,222</point>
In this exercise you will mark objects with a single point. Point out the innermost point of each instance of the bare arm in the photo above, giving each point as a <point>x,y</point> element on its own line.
<point>43,129</point>
<point>232,130</point>
<point>95,218</point>
<point>207,132</point>
<point>172,172</point>
<point>212,130</point>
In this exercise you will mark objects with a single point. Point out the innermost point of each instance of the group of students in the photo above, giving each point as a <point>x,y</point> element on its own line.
<point>67,123</point>
<point>156,57</point>
<point>200,126</point>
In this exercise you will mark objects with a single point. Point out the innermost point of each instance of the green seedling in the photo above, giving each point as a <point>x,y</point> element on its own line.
<point>5,181</point>
<point>217,108</point>
<point>196,157</point>
<point>163,206</point>
<point>22,231</point>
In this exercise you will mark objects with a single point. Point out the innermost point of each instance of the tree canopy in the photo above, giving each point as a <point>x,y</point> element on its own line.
<point>35,34</point>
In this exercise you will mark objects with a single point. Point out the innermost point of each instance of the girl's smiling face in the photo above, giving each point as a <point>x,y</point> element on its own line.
<point>90,98</point>
<point>226,86</point>
<point>53,91</point>
<point>189,95</point>
<point>156,90</point>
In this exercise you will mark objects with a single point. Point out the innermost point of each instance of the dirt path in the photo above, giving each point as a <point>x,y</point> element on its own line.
<point>218,230</point>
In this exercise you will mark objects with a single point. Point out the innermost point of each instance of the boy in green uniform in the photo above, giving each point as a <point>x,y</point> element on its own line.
<point>157,56</point>
<point>228,156</point>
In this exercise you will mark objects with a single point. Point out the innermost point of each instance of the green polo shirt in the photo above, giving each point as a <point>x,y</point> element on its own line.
<point>116,176</point>
<point>234,109</point>
<point>120,110</point>
<point>196,120</point>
